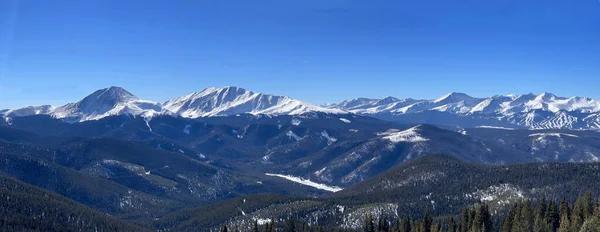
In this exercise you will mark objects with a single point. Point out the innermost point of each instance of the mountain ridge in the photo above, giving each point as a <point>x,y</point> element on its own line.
<point>525,111</point>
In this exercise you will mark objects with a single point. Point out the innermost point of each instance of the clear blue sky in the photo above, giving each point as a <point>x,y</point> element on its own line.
<point>57,51</point>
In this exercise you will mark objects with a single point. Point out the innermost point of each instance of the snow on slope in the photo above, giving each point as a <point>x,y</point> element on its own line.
<point>306,182</point>
<point>30,110</point>
<point>411,135</point>
<point>209,102</point>
<point>103,103</point>
<point>234,100</point>
<point>552,135</point>
<point>543,111</point>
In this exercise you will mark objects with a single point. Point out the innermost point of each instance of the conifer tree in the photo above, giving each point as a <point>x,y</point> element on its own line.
<point>565,223</point>
<point>396,227</point>
<point>588,206</point>
<point>255,226</point>
<point>369,224</point>
<point>526,219</point>
<point>452,225</point>
<point>577,214</point>
<point>463,224</point>
<point>427,221</point>
<point>552,217</point>
<point>405,227</point>
<point>540,223</point>
<point>290,225</point>
<point>516,220</point>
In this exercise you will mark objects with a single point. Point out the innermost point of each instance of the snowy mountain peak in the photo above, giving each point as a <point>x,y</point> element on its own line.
<point>453,97</point>
<point>545,96</point>
<point>103,103</point>
<point>234,100</point>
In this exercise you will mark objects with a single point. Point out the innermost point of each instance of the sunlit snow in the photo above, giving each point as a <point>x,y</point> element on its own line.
<point>411,135</point>
<point>306,182</point>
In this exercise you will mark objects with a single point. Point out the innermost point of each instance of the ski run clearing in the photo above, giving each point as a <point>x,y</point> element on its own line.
<point>306,182</point>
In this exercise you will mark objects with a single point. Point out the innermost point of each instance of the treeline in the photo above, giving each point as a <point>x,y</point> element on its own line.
<point>527,216</point>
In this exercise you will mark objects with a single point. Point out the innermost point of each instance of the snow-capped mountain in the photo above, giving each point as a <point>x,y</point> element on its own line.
<point>30,110</point>
<point>106,102</point>
<point>102,103</point>
<point>543,111</point>
<point>234,100</point>
<point>209,102</point>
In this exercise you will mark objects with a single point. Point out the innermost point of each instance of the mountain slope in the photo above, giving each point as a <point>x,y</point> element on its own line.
<point>543,111</point>
<point>441,182</point>
<point>103,103</point>
<point>27,208</point>
<point>234,100</point>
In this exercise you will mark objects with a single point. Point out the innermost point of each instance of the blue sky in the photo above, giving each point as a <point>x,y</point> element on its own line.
<point>53,52</point>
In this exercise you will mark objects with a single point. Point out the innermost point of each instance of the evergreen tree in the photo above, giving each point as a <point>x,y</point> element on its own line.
<point>565,223</point>
<point>577,214</point>
<point>224,228</point>
<point>427,221</point>
<point>597,209</point>
<point>477,222</point>
<point>516,220</point>
<point>383,225</point>
<point>588,206</point>
<point>452,225</point>
<point>405,227</point>
<point>526,219</point>
<point>540,223</point>
<point>552,217</point>
<point>463,225</point>
<point>369,224</point>
<point>591,225</point>
<point>290,225</point>
<point>255,227</point>
<point>396,227</point>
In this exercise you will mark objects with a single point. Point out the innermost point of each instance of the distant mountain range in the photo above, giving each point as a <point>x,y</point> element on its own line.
<point>527,111</point>
<point>141,161</point>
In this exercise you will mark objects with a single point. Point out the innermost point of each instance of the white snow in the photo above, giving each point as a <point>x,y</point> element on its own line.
<point>234,100</point>
<point>411,135</point>
<point>8,120</point>
<point>306,182</point>
<point>543,111</point>
<point>552,135</point>
<point>148,123</point>
<point>496,127</point>
<point>296,122</point>
<point>187,128</point>
<point>292,135</point>
<point>345,120</point>
<point>330,139</point>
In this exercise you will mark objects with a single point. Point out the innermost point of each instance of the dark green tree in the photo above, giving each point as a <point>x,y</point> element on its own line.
<point>452,225</point>
<point>405,227</point>
<point>369,224</point>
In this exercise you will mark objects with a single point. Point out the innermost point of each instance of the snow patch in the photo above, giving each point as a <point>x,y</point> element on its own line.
<point>411,135</point>
<point>496,127</point>
<point>552,135</point>
<point>187,128</point>
<point>306,182</point>
<point>330,139</point>
<point>293,135</point>
<point>296,122</point>
<point>345,120</point>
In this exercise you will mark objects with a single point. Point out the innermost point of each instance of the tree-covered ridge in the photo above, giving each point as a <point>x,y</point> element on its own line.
<point>527,216</point>
<point>27,208</point>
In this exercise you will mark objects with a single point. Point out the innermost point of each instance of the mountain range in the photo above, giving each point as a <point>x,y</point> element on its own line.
<point>149,163</point>
<point>527,111</point>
